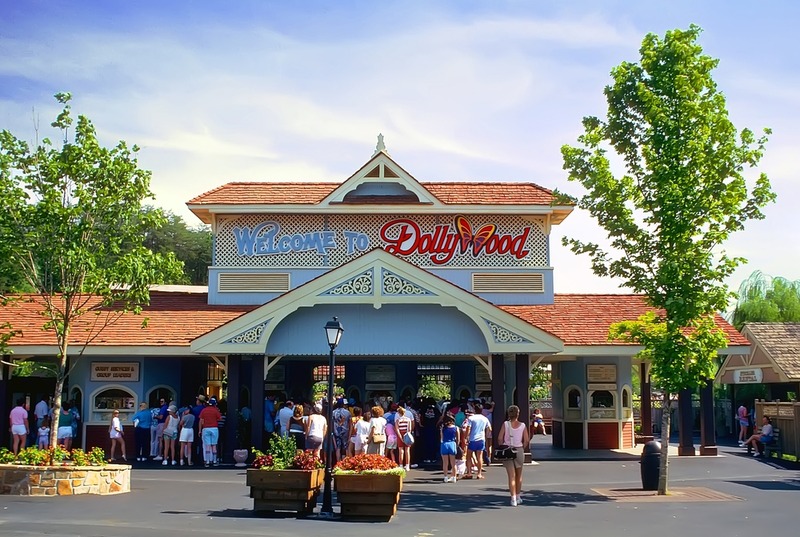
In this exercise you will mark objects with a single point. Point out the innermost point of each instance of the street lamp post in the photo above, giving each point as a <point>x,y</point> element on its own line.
<point>333,331</point>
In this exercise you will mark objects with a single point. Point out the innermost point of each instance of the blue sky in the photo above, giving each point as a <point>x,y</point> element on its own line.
<point>470,90</point>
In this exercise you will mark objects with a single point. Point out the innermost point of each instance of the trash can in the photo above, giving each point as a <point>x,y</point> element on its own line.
<point>651,464</point>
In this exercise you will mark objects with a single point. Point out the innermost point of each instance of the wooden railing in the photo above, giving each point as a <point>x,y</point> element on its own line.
<point>786,417</point>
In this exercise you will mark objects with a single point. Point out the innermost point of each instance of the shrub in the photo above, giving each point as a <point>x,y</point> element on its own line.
<point>79,457</point>
<point>97,456</point>
<point>283,454</point>
<point>6,456</point>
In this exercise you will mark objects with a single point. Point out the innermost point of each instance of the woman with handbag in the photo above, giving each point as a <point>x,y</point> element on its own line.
<point>513,436</point>
<point>377,431</point>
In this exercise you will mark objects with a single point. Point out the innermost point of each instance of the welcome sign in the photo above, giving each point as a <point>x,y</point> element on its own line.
<point>403,237</point>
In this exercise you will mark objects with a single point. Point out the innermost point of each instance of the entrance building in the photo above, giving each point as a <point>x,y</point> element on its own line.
<point>449,277</point>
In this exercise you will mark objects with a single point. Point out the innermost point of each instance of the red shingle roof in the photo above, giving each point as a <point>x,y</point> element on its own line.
<point>175,319</point>
<point>585,319</point>
<point>263,193</point>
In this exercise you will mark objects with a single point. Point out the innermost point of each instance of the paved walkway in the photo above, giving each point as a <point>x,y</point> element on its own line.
<point>562,497</point>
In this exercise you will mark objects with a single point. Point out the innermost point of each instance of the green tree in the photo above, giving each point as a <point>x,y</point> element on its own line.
<point>430,387</point>
<point>68,211</point>
<point>682,194</point>
<point>190,245</point>
<point>766,299</point>
<point>539,384</point>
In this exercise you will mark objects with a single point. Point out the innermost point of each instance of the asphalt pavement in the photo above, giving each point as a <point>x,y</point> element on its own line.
<point>561,497</point>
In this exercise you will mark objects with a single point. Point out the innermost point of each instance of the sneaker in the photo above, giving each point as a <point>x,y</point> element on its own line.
<point>164,463</point>
<point>513,502</point>
<point>159,458</point>
<point>415,465</point>
<point>181,462</point>
<point>757,454</point>
<point>175,462</point>
<point>407,468</point>
<point>741,443</point>
<point>446,479</point>
<point>206,465</point>
<point>519,500</point>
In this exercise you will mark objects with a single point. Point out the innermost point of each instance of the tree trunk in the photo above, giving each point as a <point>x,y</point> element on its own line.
<point>663,474</point>
<point>61,375</point>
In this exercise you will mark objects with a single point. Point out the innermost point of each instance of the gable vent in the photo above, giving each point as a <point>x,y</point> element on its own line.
<point>507,283</point>
<point>264,283</point>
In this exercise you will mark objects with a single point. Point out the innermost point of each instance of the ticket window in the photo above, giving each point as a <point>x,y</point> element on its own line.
<point>627,404</point>
<point>602,405</point>
<point>105,402</point>
<point>572,408</point>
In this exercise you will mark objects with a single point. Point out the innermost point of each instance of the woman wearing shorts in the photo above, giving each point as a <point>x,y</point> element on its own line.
<point>19,425</point>
<point>514,433</point>
<point>170,434</point>
<point>186,436</point>
<point>317,430</point>
<point>64,434</point>
<point>116,435</point>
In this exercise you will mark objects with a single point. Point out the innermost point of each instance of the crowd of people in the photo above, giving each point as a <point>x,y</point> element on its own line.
<point>458,436</point>
<point>175,435</point>
<point>33,428</point>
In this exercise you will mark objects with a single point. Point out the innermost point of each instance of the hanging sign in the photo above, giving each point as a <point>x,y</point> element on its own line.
<point>748,376</point>
<point>602,373</point>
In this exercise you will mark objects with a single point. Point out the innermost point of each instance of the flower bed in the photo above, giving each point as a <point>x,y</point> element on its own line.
<point>57,472</point>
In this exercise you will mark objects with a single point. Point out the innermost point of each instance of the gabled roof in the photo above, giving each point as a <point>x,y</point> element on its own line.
<point>382,185</point>
<point>378,278</point>
<point>775,351</point>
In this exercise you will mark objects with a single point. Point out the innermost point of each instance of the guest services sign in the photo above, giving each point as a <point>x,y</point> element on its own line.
<point>115,371</point>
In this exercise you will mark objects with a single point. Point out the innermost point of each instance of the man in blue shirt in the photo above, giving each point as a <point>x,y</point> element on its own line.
<point>142,421</point>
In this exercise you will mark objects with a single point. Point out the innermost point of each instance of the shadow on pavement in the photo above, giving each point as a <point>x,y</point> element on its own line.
<point>490,498</point>
<point>790,484</point>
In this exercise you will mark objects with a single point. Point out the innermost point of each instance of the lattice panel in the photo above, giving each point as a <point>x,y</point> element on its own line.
<point>354,235</point>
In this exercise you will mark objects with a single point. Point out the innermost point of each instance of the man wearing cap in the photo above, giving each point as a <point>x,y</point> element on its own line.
<point>209,432</point>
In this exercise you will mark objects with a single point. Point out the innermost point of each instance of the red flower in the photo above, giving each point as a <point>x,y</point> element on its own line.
<point>366,461</point>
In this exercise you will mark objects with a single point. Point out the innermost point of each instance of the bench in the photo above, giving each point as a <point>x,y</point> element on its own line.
<point>776,446</point>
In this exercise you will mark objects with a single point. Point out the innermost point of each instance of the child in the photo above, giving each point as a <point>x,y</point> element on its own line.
<point>44,433</point>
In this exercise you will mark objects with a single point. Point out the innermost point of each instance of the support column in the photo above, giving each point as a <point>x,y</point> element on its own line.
<point>257,402</point>
<point>498,391</point>
<point>646,409</point>
<point>708,436</point>
<point>523,374</point>
<point>232,421</point>
<point>686,423</point>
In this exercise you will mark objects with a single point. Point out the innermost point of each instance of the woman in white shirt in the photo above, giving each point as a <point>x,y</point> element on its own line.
<point>514,433</point>
<point>377,431</point>
<point>116,435</point>
<point>317,430</point>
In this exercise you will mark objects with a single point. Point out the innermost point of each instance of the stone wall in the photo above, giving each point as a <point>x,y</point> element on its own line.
<point>64,480</point>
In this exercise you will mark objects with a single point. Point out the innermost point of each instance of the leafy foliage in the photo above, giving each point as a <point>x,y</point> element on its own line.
<point>437,390</point>
<point>766,299</point>
<point>539,387</point>
<point>56,455</point>
<point>283,454</point>
<point>191,245</point>
<point>73,224</point>
<point>683,193</point>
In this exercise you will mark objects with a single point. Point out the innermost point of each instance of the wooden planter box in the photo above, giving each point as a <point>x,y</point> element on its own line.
<point>368,497</point>
<point>284,490</point>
